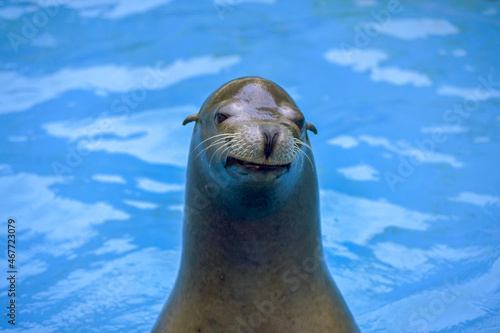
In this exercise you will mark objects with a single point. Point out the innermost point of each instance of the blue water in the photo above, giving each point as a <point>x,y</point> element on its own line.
<point>406,99</point>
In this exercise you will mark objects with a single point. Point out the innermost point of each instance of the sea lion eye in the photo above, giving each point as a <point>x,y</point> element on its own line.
<point>220,117</point>
<point>300,123</point>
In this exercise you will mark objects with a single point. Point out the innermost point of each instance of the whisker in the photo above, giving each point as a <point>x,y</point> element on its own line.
<point>237,147</point>
<point>246,147</point>
<point>304,153</point>
<point>295,153</point>
<point>222,146</point>
<point>218,141</point>
<point>302,143</point>
<point>213,137</point>
<point>227,149</point>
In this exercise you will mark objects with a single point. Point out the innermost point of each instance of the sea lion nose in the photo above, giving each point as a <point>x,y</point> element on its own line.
<point>270,134</point>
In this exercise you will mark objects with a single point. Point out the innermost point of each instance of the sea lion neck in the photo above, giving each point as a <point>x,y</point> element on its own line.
<point>237,226</point>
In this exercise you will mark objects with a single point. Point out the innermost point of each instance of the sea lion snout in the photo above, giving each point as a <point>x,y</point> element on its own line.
<point>270,144</point>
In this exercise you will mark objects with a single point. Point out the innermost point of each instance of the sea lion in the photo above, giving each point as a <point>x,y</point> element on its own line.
<point>252,259</point>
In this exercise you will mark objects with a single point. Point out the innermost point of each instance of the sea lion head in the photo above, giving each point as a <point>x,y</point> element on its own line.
<point>251,130</point>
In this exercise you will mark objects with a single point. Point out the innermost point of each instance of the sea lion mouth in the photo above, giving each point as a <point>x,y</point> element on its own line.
<point>250,166</point>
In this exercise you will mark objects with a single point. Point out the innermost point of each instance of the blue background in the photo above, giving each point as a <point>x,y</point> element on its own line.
<point>405,96</point>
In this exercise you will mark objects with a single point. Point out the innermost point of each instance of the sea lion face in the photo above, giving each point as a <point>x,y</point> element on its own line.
<point>252,130</point>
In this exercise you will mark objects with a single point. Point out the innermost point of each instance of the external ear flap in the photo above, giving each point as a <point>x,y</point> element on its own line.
<point>193,117</point>
<point>311,128</point>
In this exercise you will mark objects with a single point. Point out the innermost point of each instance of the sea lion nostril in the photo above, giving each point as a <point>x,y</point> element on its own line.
<point>271,134</point>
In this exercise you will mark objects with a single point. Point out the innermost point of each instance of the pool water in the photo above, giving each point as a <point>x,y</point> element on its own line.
<point>405,96</point>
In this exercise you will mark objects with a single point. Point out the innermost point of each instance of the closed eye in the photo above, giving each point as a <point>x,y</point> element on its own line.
<point>300,123</point>
<point>220,117</point>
